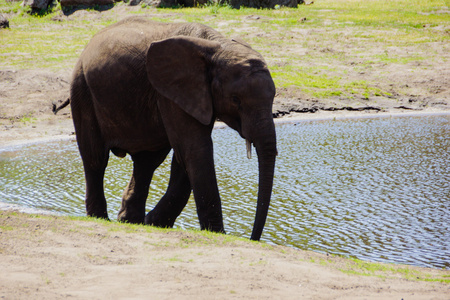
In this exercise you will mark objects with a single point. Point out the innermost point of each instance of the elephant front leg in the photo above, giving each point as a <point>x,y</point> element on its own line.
<point>199,161</point>
<point>175,199</point>
<point>193,150</point>
<point>135,195</point>
<point>207,198</point>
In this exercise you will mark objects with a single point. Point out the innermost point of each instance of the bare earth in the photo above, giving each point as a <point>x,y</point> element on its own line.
<point>56,257</point>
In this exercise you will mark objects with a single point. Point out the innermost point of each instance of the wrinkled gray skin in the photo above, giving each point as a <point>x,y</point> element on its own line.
<point>142,88</point>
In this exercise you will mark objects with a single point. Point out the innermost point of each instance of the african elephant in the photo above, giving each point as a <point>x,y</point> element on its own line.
<point>143,88</point>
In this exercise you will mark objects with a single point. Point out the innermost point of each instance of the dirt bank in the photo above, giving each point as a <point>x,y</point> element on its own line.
<point>56,257</point>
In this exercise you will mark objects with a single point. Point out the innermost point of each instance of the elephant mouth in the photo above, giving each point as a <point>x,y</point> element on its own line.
<point>237,125</point>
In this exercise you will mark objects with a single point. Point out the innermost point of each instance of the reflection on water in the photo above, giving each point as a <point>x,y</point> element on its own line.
<point>374,189</point>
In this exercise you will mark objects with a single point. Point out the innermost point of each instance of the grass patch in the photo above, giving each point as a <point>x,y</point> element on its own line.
<point>321,85</point>
<point>355,266</point>
<point>398,13</point>
<point>6,228</point>
<point>332,34</point>
<point>28,118</point>
<point>187,238</point>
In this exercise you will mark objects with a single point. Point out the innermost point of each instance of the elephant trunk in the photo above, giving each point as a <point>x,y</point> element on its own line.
<point>267,151</point>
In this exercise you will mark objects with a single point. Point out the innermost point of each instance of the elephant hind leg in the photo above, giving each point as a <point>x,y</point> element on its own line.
<point>93,151</point>
<point>135,195</point>
<point>95,159</point>
<point>175,199</point>
<point>95,196</point>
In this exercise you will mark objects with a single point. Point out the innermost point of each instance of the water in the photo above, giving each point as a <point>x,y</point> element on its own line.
<point>375,189</point>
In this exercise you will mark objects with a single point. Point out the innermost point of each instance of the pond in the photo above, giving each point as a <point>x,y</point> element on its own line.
<point>376,189</point>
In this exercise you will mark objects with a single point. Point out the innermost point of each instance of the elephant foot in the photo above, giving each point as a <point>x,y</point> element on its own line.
<point>213,227</point>
<point>125,216</point>
<point>99,216</point>
<point>155,219</point>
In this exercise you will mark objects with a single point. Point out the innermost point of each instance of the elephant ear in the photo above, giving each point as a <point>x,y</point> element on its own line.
<point>178,69</point>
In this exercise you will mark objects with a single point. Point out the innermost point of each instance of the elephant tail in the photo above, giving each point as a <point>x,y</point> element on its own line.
<point>55,108</point>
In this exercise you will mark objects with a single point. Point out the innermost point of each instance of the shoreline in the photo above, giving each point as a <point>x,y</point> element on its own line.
<point>349,115</point>
<point>290,118</point>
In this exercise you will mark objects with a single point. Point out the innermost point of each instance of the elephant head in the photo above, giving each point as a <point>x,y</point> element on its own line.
<point>227,80</point>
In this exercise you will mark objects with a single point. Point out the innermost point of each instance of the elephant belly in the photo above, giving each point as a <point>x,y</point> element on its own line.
<point>129,120</point>
<point>133,135</point>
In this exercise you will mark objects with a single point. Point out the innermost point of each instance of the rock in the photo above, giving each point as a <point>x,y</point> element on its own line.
<point>4,23</point>
<point>169,3</point>
<point>192,3</point>
<point>37,4</point>
<point>161,3</point>
<point>133,2</point>
<point>264,3</point>
<point>59,18</point>
<point>86,2</point>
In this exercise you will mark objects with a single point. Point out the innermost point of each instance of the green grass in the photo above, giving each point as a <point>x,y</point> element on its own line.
<point>354,266</point>
<point>6,228</point>
<point>397,13</point>
<point>39,43</point>
<point>188,238</point>
<point>28,118</point>
<point>364,268</point>
<point>320,85</point>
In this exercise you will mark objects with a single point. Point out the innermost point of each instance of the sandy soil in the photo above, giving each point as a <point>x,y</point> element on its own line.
<point>55,257</point>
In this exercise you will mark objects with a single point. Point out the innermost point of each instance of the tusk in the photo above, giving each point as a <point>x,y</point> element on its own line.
<point>249,149</point>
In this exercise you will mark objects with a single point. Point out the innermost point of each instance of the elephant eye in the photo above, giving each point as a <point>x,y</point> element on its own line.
<point>236,101</point>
